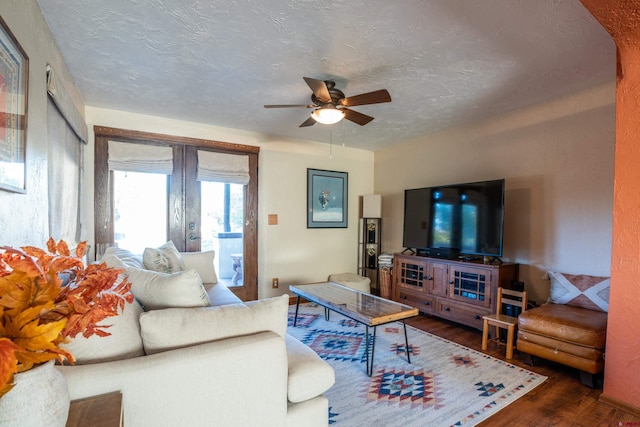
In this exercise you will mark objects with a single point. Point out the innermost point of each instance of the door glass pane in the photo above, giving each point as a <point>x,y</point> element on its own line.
<point>222,224</point>
<point>140,210</point>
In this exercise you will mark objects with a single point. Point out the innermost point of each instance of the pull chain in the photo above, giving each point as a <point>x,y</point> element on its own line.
<point>331,143</point>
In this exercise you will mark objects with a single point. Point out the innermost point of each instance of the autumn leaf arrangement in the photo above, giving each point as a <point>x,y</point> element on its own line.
<point>48,297</point>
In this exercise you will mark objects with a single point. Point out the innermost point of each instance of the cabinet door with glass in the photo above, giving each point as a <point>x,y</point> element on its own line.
<point>470,285</point>
<point>410,273</point>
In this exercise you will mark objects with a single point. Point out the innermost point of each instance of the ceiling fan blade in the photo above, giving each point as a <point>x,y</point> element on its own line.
<point>309,122</point>
<point>290,106</point>
<point>375,97</point>
<point>319,89</point>
<point>354,116</point>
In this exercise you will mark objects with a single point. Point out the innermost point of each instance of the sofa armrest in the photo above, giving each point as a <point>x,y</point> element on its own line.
<point>309,375</point>
<point>206,384</point>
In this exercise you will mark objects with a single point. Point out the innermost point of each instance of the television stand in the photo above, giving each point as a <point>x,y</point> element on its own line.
<point>456,290</point>
<point>495,258</point>
<point>411,251</point>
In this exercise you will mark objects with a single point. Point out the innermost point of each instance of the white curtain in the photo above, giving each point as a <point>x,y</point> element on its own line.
<point>64,178</point>
<point>222,167</point>
<point>130,157</point>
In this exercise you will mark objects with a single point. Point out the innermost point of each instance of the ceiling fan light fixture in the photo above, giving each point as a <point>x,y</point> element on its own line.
<point>327,115</point>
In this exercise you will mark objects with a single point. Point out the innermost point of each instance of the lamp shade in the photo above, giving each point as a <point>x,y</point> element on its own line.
<point>327,115</point>
<point>372,206</point>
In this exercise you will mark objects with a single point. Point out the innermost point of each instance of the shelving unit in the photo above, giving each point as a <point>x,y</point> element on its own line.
<point>369,249</point>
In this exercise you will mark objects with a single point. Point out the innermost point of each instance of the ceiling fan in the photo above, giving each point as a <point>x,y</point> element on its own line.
<point>330,104</point>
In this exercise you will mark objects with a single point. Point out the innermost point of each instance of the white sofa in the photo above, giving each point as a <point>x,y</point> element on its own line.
<point>227,364</point>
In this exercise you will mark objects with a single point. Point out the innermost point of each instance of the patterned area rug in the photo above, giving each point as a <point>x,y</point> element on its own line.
<point>446,384</point>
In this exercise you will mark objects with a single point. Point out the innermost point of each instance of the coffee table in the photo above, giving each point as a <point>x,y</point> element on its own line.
<point>369,310</point>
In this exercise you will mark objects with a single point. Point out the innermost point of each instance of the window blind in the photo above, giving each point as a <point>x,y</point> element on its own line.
<point>68,110</point>
<point>223,167</point>
<point>129,157</point>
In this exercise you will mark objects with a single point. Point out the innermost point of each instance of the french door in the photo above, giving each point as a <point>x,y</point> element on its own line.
<point>136,209</point>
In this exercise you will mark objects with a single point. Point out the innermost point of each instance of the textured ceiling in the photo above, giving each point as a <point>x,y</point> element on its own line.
<point>445,63</point>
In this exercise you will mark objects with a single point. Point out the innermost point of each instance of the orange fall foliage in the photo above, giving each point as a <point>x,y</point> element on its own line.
<point>47,297</point>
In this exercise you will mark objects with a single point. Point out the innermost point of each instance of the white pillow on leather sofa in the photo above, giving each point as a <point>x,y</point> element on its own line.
<point>176,327</point>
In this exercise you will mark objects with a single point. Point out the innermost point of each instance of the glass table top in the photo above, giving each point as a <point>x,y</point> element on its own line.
<point>368,309</point>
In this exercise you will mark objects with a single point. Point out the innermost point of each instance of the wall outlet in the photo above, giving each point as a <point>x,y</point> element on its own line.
<point>275,282</point>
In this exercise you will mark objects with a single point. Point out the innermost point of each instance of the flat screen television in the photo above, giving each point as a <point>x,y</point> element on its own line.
<point>451,220</point>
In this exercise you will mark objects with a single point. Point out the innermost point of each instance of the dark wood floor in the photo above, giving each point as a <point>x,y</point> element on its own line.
<point>561,401</point>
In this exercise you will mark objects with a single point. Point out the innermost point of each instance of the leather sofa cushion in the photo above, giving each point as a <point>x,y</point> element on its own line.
<point>592,365</point>
<point>572,324</point>
<point>560,346</point>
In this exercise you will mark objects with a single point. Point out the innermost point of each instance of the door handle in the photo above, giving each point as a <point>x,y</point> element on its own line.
<point>193,237</point>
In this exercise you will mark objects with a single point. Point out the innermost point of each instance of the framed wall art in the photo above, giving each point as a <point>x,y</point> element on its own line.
<point>14,75</point>
<point>327,193</point>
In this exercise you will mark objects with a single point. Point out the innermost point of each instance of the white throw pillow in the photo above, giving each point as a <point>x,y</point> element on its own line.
<point>159,290</point>
<point>202,262</point>
<point>113,261</point>
<point>128,258</point>
<point>123,343</point>
<point>174,328</point>
<point>163,259</point>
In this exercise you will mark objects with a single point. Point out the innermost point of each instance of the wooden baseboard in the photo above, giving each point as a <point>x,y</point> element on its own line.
<point>619,404</point>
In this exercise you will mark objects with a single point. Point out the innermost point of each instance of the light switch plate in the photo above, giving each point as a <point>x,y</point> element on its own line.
<point>273,219</point>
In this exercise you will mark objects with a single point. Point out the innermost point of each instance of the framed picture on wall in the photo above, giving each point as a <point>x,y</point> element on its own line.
<point>327,193</point>
<point>14,76</point>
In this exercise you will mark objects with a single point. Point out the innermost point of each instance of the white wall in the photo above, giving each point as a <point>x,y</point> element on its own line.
<point>557,159</point>
<point>288,250</point>
<point>24,217</point>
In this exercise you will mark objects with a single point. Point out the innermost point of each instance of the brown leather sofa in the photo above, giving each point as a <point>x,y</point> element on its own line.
<point>573,336</point>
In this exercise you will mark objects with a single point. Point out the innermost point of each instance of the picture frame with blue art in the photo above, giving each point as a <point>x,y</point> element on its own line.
<point>327,193</point>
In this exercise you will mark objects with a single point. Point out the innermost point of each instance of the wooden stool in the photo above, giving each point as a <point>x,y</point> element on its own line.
<point>502,321</point>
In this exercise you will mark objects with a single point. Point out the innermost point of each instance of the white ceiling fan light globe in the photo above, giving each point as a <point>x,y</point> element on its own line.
<point>327,115</point>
